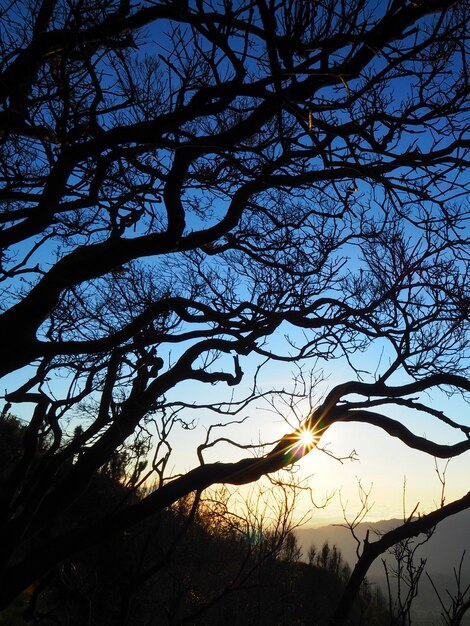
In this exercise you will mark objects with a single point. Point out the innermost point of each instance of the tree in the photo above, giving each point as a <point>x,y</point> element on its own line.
<point>291,551</point>
<point>184,181</point>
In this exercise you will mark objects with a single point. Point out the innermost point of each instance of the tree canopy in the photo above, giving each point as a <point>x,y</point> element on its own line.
<point>184,182</point>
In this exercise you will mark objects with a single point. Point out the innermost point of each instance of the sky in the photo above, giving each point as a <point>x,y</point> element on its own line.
<point>382,465</point>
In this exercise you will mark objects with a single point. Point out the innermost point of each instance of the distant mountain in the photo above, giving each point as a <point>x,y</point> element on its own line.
<point>442,552</point>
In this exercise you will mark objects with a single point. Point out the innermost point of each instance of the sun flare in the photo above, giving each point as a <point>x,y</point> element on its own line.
<point>306,438</point>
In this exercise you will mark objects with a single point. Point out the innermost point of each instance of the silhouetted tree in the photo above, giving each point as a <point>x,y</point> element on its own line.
<point>183,181</point>
<point>290,549</point>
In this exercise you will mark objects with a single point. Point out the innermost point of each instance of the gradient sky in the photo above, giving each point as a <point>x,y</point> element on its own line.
<point>383,462</point>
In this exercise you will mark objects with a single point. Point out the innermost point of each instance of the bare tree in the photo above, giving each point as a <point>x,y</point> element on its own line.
<point>182,182</point>
<point>453,613</point>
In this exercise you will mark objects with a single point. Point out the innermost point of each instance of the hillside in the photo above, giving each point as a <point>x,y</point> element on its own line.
<point>442,552</point>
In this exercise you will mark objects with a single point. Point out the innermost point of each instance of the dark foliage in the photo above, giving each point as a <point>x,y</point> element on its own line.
<point>211,576</point>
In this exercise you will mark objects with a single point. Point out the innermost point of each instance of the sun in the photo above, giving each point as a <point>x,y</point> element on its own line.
<point>302,442</point>
<point>306,438</point>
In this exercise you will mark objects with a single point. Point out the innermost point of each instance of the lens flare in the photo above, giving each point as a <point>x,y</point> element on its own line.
<point>302,442</point>
<point>306,438</point>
